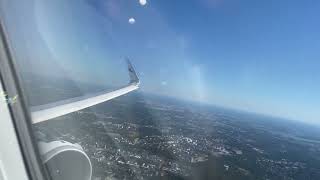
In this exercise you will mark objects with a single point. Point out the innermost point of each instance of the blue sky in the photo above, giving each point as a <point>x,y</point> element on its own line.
<point>259,56</point>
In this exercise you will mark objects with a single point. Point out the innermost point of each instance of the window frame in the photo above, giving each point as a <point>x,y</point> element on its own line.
<point>20,115</point>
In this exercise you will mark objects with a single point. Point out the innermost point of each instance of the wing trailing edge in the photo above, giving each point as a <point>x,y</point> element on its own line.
<point>52,110</point>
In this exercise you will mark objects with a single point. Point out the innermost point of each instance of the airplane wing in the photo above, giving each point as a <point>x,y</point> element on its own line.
<point>48,111</point>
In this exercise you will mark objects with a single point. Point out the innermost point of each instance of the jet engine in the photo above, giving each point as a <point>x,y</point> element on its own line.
<point>65,161</point>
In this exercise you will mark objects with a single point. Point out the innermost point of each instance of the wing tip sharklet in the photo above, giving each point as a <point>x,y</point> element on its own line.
<point>132,73</point>
<point>56,109</point>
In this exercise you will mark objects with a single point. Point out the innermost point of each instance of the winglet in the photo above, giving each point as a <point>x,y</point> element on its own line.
<point>132,73</point>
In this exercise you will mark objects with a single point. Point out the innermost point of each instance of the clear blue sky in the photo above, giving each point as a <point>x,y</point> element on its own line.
<point>260,56</point>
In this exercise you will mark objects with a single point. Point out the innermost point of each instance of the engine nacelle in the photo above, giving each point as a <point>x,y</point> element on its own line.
<point>65,161</point>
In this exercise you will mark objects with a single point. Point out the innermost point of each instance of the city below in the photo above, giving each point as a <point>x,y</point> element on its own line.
<point>142,136</point>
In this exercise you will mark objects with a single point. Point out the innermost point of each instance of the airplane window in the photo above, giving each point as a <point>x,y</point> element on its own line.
<point>154,89</point>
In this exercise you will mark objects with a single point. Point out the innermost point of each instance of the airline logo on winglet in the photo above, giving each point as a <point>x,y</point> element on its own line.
<point>132,73</point>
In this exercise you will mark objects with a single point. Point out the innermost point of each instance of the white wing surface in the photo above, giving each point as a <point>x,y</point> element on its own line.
<point>48,111</point>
